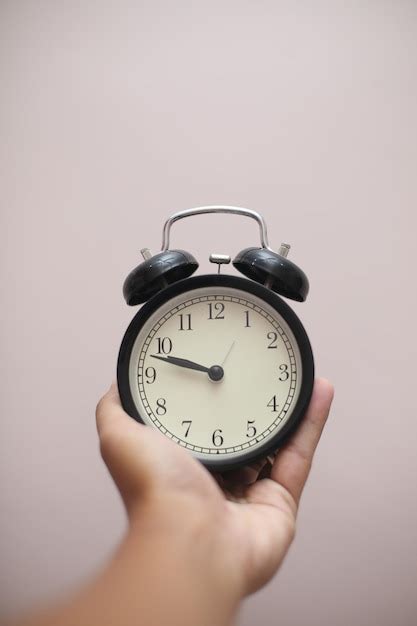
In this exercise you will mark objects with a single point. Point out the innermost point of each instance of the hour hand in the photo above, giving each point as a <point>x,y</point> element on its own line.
<point>215,372</point>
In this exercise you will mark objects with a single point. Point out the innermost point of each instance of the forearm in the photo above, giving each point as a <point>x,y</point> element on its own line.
<point>154,579</point>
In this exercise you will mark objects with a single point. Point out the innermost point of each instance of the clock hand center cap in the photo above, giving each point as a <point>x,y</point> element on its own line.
<point>216,373</point>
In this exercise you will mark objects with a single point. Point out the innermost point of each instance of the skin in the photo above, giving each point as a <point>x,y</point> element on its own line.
<point>196,545</point>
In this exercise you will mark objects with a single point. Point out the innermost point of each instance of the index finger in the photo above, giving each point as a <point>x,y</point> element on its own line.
<point>109,411</point>
<point>293,462</point>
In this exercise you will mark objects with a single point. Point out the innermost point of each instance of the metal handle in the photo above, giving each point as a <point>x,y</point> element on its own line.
<point>215,209</point>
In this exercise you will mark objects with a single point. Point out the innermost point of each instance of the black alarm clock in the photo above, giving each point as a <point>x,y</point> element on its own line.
<point>218,363</point>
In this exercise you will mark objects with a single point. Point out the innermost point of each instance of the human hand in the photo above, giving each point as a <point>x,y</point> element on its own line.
<point>242,530</point>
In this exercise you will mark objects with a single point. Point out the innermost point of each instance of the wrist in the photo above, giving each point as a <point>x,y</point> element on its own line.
<point>186,553</point>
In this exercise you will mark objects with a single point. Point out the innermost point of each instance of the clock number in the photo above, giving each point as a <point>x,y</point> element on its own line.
<point>150,374</point>
<point>273,337</point>
<point>161,406</point>
<point>284,372</point>
<point>273,404</point>
<point>216,310</point>
<point>251,429</point>
<point>217,438</point>
<point>185,321</point>
<point>247,325</point>
<point>187,430</point>
<point>164,345</point>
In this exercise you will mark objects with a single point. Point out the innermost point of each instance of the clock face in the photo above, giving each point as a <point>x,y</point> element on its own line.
<point>217,369</point>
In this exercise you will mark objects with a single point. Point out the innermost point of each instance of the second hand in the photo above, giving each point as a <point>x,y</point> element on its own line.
<point>228,352</point>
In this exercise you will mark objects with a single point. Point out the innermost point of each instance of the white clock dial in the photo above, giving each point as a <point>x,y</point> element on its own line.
<point>229,410</point>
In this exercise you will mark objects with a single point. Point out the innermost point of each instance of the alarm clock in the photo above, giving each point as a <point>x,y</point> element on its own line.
<point>218,363</point>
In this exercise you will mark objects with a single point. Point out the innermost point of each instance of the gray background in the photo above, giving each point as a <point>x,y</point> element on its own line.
<point>116,114</point>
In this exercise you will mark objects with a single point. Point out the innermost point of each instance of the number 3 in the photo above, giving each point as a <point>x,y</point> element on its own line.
<point>284,372</point>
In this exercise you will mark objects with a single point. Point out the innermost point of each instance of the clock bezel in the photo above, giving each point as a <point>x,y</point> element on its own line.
<point>251,287</point>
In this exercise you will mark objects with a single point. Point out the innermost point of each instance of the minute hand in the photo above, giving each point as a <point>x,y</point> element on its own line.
<point>215,372</point>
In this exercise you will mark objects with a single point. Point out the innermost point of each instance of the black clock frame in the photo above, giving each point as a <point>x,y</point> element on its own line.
<point>243,284</point>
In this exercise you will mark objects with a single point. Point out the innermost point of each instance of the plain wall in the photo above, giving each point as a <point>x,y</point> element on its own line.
<point>113,116</point>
